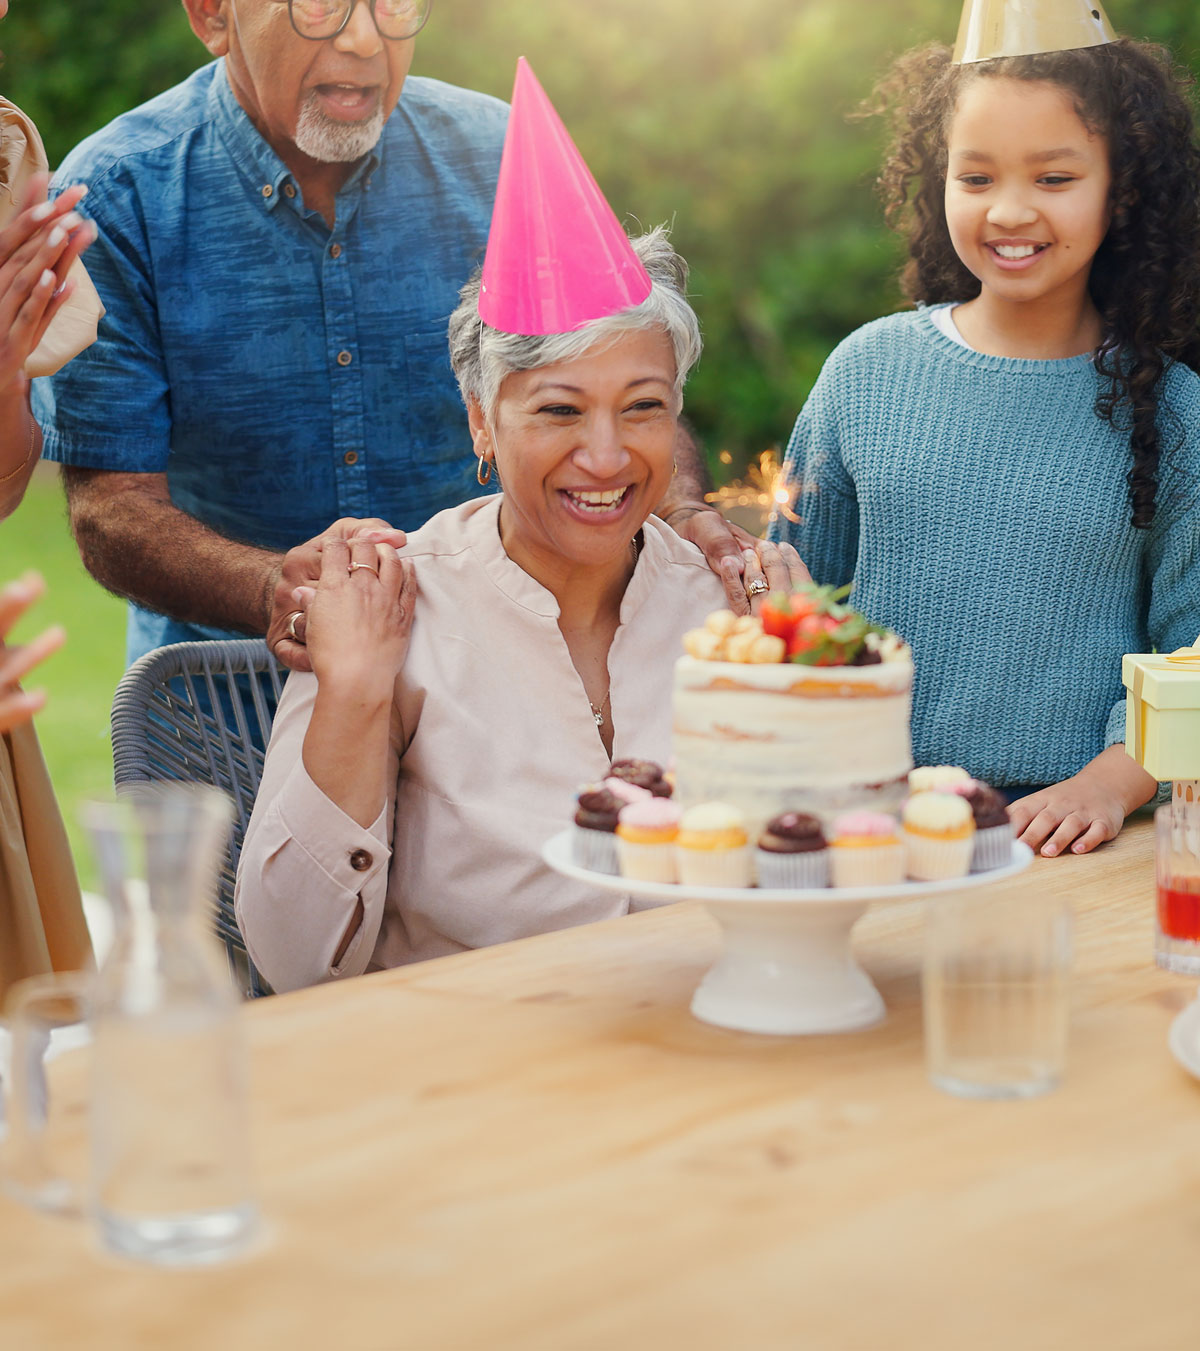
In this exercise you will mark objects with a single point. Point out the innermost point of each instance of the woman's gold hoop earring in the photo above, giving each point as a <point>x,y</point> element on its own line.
<point>483,471</point>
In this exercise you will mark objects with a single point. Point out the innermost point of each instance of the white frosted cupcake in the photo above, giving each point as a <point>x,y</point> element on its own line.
<point>712,849</point>
<point>936,778</point>
<point>939,836</point>
<point>646,833</point>
<point>865,850</point>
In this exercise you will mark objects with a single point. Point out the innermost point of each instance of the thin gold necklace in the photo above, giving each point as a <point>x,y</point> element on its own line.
<point>635,545</point>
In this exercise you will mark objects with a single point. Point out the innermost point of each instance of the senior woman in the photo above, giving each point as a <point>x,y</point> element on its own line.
<point>464,687</point>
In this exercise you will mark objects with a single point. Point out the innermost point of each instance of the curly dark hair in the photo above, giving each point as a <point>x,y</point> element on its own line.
<point>1145,277</point>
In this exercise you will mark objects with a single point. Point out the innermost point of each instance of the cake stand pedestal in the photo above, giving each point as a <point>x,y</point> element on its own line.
<point>786,966</point>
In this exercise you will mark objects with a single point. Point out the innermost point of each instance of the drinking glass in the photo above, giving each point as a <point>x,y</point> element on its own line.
<point>1177,869</point>
<point>996,994</point>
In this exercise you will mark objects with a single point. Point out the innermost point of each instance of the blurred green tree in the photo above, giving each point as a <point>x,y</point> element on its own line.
<point>729,120</point>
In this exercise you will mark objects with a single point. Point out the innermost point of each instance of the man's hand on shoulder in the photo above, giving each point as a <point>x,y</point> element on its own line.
<point>296,577</point>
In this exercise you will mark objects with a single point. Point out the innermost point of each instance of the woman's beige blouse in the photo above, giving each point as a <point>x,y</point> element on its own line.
<point>492,736</point>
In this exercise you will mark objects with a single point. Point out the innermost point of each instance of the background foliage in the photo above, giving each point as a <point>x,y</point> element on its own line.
<point>729,119</point>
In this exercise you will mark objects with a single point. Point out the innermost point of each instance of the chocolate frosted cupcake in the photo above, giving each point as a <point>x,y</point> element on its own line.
<point>792,852</point>
<point>594,845</point>
<point>993,830</point>
<point>642,774</point>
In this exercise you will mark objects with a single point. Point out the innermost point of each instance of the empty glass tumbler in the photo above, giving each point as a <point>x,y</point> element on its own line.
<point>996,994</point>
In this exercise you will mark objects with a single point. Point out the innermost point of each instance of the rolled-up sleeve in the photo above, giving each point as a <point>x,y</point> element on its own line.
<point>306,865</point>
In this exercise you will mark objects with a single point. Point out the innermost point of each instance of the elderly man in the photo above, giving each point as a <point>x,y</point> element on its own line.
<point>281,240</point>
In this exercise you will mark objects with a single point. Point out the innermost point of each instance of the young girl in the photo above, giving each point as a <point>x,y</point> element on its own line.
<point>1010,473</point>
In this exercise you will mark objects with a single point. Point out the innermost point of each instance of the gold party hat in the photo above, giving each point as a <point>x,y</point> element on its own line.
<point>991,28</point>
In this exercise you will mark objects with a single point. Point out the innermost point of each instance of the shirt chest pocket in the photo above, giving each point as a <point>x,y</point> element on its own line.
<point>437,420</point>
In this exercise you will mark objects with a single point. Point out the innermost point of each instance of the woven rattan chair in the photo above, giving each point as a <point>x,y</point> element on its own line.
<point>201,713</point>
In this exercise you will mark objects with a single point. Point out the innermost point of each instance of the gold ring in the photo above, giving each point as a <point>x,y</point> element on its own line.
<point>369,568</point>
<point>291,627</point>
<point>756,587</point>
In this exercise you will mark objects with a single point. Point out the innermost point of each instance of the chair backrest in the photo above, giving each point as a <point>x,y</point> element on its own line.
<point>202,713</point>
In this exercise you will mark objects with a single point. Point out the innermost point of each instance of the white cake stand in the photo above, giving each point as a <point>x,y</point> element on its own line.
<point>786,966</point>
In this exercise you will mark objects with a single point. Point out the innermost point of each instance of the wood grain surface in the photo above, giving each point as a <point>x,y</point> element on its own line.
<point>536,1146</point>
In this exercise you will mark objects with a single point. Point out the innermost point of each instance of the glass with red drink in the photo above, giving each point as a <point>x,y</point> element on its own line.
<point>1177,865</point>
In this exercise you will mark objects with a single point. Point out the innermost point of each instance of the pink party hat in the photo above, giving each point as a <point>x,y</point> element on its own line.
<point>557,256</point>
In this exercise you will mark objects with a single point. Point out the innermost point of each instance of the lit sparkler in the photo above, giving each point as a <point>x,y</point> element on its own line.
<point>764,487</point>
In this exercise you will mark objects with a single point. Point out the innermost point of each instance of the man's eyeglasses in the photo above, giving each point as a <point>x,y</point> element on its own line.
<point>318,20</point>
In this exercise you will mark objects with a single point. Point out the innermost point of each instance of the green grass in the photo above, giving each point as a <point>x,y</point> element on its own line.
<point>80,678</point>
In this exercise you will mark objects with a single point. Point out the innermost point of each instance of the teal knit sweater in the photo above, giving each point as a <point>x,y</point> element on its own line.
<point>981,509</point>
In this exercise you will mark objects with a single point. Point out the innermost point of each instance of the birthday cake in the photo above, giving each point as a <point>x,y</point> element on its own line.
<point>805,708</point>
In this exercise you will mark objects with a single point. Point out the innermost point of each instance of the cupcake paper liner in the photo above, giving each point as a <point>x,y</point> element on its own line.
<point>936,860</point>
<point>715,867</point>
<point>868,865</point>
<point>809,868</point>
<point>993,848</point>
<point>595,850</point>
<point>647,862</point>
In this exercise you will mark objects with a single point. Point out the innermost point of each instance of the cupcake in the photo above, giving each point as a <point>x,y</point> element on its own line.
<point>865,850</point>
<point>643,774</point>
<point>712,848</point>
<point>594,844</point>
<point>624,791</point>
<point>792,852</point>
<point>993,830</point>
<point>936,778</point>
<point>646,832</point>
<point>939,836</point>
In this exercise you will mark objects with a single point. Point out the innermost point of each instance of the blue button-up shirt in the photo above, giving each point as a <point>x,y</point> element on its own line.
<point>282,374</point>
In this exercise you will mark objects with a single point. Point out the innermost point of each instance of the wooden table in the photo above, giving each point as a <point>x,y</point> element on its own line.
<point>537,1146</point>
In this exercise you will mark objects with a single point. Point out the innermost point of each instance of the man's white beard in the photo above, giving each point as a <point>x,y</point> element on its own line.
<point>323,138</point>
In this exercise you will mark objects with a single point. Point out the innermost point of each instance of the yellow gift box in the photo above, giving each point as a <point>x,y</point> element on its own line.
<point>1162,711</point>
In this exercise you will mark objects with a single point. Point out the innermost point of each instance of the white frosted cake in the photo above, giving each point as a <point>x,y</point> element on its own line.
<point>769,736</point>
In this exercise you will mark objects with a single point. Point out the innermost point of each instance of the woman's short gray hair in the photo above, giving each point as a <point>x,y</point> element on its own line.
<point>482,356</point>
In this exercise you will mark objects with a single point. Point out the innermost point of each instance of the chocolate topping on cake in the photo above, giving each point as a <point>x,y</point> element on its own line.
<point>642,773</point>
<point>987,806</point>
<point>598,810</point>
<point>792,833</point>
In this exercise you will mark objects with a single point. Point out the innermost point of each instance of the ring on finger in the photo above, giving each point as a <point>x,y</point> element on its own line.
<point>350,569</point>
<point>291,626</point>
<point>757,587</point>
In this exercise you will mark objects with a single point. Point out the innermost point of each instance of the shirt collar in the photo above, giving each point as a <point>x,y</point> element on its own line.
<point>260,166</point>
<point>483,533</point>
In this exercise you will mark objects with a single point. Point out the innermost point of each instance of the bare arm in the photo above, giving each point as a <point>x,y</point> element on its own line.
<point>20,447</point>
<point>135,542</point>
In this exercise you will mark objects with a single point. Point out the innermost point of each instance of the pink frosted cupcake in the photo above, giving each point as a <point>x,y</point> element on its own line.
<point>865,850</point>
<point>646,833</point>
<point>939,836</point>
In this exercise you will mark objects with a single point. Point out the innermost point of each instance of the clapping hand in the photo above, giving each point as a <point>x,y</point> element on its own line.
<point>16,705</point>
<point>37,249</point>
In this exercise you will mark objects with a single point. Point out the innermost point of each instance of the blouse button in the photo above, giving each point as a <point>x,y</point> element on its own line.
<point>344,358</point>
<point>350,457</point>
<point>289,190</point>
<point>335,250</point>
<point>360,860</point>
<point>268,190</point>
